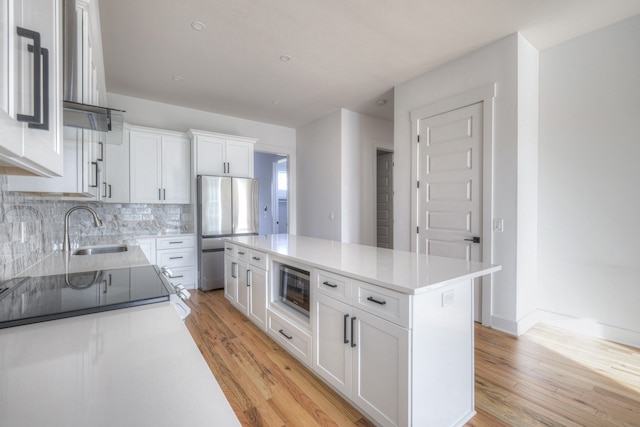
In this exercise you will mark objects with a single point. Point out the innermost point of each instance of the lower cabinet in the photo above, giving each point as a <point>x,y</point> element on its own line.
<point>177,253</point>
<point>364,357</point>
<point>246,283</point>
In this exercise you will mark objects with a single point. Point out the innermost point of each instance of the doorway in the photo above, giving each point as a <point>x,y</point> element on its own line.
<point>384,199</point>
<point>272,173</point>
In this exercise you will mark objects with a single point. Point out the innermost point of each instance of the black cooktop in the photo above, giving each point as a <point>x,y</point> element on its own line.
<point>25,300</point>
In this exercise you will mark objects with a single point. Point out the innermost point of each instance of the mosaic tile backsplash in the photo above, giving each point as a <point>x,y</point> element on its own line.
<point>32,227</point>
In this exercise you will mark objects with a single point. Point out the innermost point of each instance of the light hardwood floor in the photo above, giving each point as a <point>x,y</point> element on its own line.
<point>546,377</point>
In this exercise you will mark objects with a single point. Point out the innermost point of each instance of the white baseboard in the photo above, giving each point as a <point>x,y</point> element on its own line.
<point>579,326</point>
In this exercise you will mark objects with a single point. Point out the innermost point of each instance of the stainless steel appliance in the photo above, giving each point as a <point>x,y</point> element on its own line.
<point>226,207</point>
<point>294,288</point>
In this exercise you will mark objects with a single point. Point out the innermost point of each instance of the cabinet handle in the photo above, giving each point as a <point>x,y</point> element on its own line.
<point>346,341</point>
<point>104,188</point>
<point>45,91</point>
<point>101,152</point>
<point>240,253</point>
<point>109,190</point>
<point>228,167</point>
<point>229,249</point>
<point>249,278</point>
<point>331,285</point>
<point>372,299</point>
<point>96,181</point>
<point>353,337</point>
<point>175,243</point>
<point>257,258</point>
<point>159,193</point>
<point>289,337</point>
<point>164,194</point>
<point>177,277</point>
<point>176,257</point>
<point>234,271</point>
<point>37,95</point>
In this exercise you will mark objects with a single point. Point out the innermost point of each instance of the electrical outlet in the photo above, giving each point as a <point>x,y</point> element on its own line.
<point>498,224</point>
<point>448,298</point>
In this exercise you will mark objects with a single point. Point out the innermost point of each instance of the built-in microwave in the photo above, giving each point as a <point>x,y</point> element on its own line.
<point>294,288</point>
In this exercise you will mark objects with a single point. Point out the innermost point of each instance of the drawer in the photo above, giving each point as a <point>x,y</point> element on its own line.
<point>290,337</point>
<point>185,276</point>
<point>230,249</point>
<point>385,303</point>
<point>333,285</point>
<point>258,259</point>
<point>176,258</point>
<point>242,253</point>
<point>175,242</point>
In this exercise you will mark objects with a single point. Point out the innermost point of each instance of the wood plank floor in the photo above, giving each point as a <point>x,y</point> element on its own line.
<point>546,377</point>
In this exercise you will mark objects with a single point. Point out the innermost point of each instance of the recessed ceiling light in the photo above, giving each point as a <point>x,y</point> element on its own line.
<point>177,78</point>
<point>198,26</point>
<point>381,102</point>
<point>285,58</point>
<point>275,102</point>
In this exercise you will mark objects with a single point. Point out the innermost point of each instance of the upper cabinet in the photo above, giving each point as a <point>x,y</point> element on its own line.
<point>30,87</point>
<point>220,154</point>
<point>160,168</point>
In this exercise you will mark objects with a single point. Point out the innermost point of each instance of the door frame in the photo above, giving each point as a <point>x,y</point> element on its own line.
<point>485,94</point>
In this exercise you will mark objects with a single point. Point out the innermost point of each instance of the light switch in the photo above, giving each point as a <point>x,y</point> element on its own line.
<point>448,298</point>
<point>498,224</point>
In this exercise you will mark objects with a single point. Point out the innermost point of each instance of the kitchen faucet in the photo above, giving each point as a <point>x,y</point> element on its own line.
<point>66,246</point>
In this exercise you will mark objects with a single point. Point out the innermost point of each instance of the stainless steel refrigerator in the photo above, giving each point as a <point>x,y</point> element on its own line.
<point>226,207</point>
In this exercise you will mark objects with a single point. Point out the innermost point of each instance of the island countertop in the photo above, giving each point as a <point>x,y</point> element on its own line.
<point>131,367</point>
<point>403,271</point>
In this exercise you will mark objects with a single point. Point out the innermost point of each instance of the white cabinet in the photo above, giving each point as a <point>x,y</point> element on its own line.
<point>363,356</point>
<point>246,282</point>
<point>220,154</point>
<point>30,87</point>
<point>148,246</point>
<point>160,166</point>
<point>178,254</point>
<point>115,183</point>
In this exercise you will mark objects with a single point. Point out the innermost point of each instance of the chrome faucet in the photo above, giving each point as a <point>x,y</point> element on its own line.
<point>66,245</point>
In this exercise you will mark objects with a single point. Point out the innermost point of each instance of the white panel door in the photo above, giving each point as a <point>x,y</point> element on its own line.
<point>176,173</point>
<point>145,167</point>
<point>384,200</point>
<point>332,352</point>
<point>450,186</point>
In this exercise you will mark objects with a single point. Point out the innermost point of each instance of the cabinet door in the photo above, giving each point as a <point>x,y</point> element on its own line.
<point>381,367</point>
<point>36,149</point>
<point>145,166</point>
<point>242,300</point>
<point>332,352</point>
<point>258,297</point>
<point>239,159</point>
<point>231,270</point>
<point>116,183</point>
<point>148,246</point>
<point>210,156</point>
<point>176,170</point>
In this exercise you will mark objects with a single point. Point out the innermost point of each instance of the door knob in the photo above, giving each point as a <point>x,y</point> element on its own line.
<point>474,239</point>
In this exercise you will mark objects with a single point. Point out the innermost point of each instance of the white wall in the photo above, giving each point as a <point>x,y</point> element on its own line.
<point>271,138</point>
<point>496,63</point>
<point>319,178</point>
<point>362,135</point>
<point>337,161</point>
<point>589,251</point>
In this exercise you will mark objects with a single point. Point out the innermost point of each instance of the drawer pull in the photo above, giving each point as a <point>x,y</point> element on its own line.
<point>240,253</point>
<point>289,337</point>
<point>353,337</point>
<point>331,285</point>
<point>176,257</point>
<point>372,299</point>
<point>176,277</point>
<point>229,249</point>
<point>257,258</point>
<point>175,243</point>
<point>346,341</point>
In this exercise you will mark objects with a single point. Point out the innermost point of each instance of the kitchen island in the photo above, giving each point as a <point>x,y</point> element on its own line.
<point>392,331</point>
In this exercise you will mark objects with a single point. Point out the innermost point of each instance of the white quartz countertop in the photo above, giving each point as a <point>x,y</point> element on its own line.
<point>129,367</point>
<point>406,272</point>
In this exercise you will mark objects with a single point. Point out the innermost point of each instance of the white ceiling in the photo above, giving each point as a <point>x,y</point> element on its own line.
<point>344,53</point>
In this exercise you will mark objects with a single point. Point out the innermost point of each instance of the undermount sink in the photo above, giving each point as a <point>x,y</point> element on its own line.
<point>104,249</point>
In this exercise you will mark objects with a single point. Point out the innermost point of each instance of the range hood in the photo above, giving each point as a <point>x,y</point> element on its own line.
<point>77,114</point>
